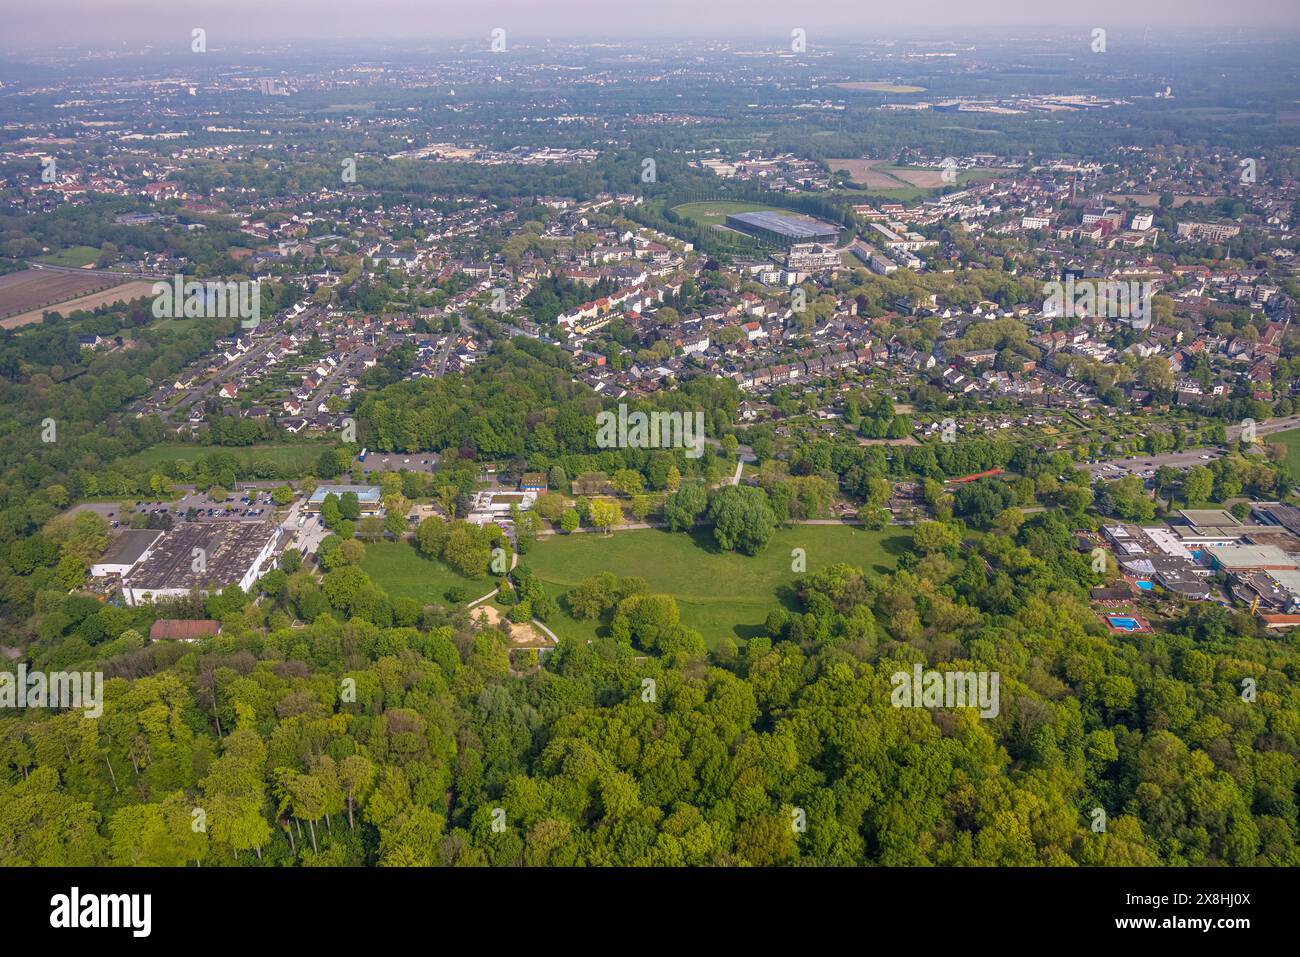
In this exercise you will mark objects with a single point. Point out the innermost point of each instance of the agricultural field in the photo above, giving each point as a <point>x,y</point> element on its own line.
<point>721,594</point>
<point>885,177</point>
<point>63,293</point>
<point>871,174</point>
<point>34,288</point>
<point>404,573</point>
<point>879,86</point>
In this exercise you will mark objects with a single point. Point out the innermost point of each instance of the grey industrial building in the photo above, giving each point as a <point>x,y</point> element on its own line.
<point>131,546</point>
<point>782,229</point>
<point>204,558</point>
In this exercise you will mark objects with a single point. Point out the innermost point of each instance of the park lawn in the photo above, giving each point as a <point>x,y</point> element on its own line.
<point>720,593</point>
<point>298,458</point>
<point>400,570</point>
<point>1291,439</point>
<point>75,256</point>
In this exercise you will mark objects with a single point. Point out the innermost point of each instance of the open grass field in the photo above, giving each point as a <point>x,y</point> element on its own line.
<point>1291,439</point>
<point>981,172</point>
<point>715,214</point>
<point>297,457</point>
<point>404,573</point>
<point>76,257</point>
<point>720,593</point>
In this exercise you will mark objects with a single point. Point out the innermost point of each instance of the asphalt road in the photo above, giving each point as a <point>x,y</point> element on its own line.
<point>1178,460</point>
<point>1283,424</point>
<point>1188,457</point>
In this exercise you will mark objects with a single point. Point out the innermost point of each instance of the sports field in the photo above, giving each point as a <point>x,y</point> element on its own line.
<point>715,214</point>
<point>298,458</point>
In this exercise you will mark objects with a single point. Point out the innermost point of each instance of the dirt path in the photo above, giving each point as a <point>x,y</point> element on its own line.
<point>526,635</point>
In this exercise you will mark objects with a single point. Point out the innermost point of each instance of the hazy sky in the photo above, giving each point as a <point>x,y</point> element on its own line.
<point>139,22</point>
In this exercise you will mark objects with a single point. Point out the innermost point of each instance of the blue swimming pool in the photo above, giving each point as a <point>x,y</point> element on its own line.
<point>1123,624</point>
<point>1145,586</point>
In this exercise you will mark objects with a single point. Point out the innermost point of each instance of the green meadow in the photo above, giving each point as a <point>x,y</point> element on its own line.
<point>720,593</point>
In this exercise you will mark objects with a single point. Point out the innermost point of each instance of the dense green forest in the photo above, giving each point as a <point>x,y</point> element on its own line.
<point>386,733</point>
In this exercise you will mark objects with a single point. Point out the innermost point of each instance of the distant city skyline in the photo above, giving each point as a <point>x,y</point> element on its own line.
<point>241,22</point>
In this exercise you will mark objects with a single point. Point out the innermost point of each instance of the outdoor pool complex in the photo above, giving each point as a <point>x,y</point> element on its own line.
<point>1124,624</point>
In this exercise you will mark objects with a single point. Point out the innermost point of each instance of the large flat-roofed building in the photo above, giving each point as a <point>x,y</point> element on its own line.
<point>369,496</point>
<point>1214,528</point>
<point>126,551</point>
<point>203,558</point>
<point>782,229</point>
<point>900,242</point>
<point>1209,232</point>
<point>491,506</point>
<point>1153,553</point>
<point>811,256</point>
<point>1287,516</point>
<point>1251,558</point>
<point>1209,517</point>
<point>1186,584</point>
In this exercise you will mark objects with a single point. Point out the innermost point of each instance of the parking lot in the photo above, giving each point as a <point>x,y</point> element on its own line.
<point>109,510</point>
<point>395,462</point>
<point>248,506</point>
<point>1146,466</point>
<point>305,531</point>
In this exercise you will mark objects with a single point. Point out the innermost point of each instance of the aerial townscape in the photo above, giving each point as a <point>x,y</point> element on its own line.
<point>760,445</point>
